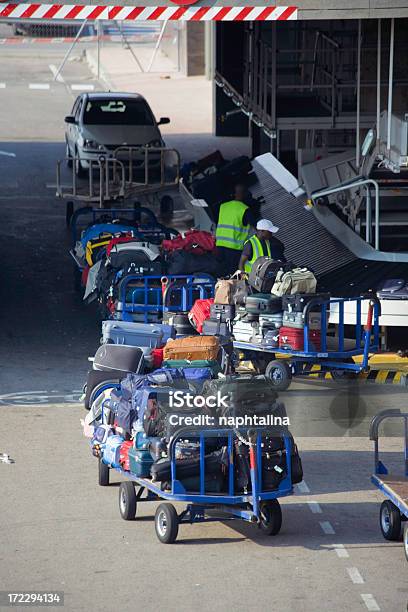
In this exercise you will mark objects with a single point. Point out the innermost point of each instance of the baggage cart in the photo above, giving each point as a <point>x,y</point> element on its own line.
<point>394,510</point>
<point>257,506</point>
<point>149,296</point>
<point>335,354</point>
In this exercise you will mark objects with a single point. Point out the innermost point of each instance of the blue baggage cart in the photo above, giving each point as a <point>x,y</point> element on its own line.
<point>257,506</point>
<point>394,510</point>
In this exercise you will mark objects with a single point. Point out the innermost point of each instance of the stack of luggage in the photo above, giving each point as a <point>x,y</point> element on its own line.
<point>131,430</point>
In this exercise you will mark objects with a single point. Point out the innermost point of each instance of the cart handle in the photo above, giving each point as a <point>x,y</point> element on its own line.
<point>381,416</point>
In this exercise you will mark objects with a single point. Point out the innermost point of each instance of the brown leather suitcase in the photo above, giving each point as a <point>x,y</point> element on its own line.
<point>192,348</point>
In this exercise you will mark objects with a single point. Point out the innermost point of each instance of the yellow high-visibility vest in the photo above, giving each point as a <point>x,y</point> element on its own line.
<point>257,251</point>
<point>231,232</point>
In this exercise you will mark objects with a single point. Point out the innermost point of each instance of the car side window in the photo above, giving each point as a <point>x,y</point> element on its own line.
<point>75,107</point>
<point>78,110</point>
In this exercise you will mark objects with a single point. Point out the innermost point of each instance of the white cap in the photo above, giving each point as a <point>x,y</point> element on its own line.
<point>265,224</point>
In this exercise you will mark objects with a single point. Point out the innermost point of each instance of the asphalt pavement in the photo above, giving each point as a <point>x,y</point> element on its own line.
<point>59,530</point>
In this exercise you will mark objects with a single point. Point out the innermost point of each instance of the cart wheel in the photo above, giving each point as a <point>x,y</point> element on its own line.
<point>103,474</point>
<point>271,517</point>
<point>279,374</point>
<point>166,523</point>
<point>127,500</point>
<point>405,539</point>
<point>344,374</point>
<point>69,211</point>
<point>390,521</point>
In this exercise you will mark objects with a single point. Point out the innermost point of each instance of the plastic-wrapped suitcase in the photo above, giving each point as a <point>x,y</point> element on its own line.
<point>199,313</point>
<point>215,328</point>
<point>245,332</point>
<point>119,358</point>
<point>222,312</point>
<point>293,339</point>
<point>297,301</point>
<point>136,334</point>
<point>192,348</point>
<point>296,320</point>
<point>111,452</point>
<point>263,303</point>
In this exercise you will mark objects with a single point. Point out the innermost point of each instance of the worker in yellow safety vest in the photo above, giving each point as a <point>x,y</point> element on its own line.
<point>262,244</point>
<point>235,219</point>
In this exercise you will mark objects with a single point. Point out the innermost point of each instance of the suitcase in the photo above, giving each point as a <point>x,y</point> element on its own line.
<point>296,320</point>
<point>136,334</point>
<point>297,301</point>
<point>185,364</point>
<point>111,452</point>
<point>199,313</point>
<point>263,273</point>
<point>270,339</point>
<point>124,455</point>
<point>242,315</point>
<point>293,339</point>
<point>181,323</point>
<point>157,448</point>
<point>394,289</point>
<point>216,328</point>
<point>192,348</point>
<point>263,303</point>
<point>222,312</point>
<point>271,321</point>
<point>184,449</point>
<point>140,462</point>
<point>245,332</point>
<point>185,468</point>
<point>119,358</point>
<point>97,377</point>
<point>213,483</point>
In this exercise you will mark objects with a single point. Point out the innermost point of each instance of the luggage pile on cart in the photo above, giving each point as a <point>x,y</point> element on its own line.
<point>136,429</point>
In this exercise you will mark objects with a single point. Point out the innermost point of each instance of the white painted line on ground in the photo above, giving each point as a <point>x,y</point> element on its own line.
<point>303,488</point>
<point>314,507</point>
<point>341,552</point>
<point>39,86</point>
<point>54,71</point>
<point>2,86</point>
<point>355,575</point>
<point>84,87</point>
<point>327,527</point>
<point>370,602</point>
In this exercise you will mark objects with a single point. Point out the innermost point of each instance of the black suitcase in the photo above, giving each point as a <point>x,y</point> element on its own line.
<point>97,377</point>
<point>263,303</point>
<point>263,273</point>
<point>297,301</point>
<point>181,323</point>
<point>222,312</point>
<point>215,328</point>
<point>185,468</point>
<point>119,358</point>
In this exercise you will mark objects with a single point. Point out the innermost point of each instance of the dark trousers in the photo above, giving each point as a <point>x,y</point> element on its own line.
<point>228,260</point>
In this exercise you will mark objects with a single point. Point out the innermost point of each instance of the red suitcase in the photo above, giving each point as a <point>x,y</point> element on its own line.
<point>200,312</point>
<point>291,338</point>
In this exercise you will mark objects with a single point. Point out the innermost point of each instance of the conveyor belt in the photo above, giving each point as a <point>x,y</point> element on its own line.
<point>308,243</point>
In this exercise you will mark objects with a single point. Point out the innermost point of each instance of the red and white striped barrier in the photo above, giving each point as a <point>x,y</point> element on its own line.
<point>78,12</point>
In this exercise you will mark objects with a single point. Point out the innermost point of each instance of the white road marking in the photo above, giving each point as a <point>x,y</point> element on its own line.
<point>355,575</point>
<point>314,507</point>
<point>370,602</point>
<point>341,552</point>
<point>2,86</point>
<point>327,527</point>
<point>39,86</point>
<point>303,488</point>
<point>54,71</point>
<point>84,87</point>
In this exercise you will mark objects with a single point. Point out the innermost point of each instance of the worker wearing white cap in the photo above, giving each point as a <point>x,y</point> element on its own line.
<point>262,243</point>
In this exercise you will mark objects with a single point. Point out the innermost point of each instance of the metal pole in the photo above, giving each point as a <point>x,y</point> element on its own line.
<point>358,96</point>
<point>368,215</point>
<point>378,78</point>
<point>129,47</point>
<point>390,83</point>
<point>98,42</point>
<point>157,45</point>
<point>68,53</point>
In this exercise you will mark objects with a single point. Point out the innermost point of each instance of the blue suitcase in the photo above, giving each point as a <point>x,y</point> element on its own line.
<point>140,462</point>
<point>136,334</point>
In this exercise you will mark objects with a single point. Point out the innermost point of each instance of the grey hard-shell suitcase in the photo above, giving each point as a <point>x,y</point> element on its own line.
<point>119,358</point>
<point>136,334</point>
<point>297,321</point>
<point>263,302</point>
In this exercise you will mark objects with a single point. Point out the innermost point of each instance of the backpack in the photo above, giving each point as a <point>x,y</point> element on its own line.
<point>297,280</point>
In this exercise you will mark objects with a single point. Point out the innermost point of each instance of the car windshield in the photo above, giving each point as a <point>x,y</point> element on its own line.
<point>117,112</point>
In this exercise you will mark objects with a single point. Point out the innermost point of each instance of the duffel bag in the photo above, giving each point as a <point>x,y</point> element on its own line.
<point>297,280</point>
<point>193,241</point>
<point>185,468</point>
<point>95,246</point>
<point>263,273</point>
